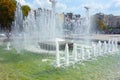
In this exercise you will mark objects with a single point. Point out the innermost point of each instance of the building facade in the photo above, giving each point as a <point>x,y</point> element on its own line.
<point>109,20</point>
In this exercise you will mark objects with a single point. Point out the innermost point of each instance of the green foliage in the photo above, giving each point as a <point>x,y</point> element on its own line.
<point>101,24</point>
<point>112,28</point>
<point>25,10</point>
<point>7,9</point>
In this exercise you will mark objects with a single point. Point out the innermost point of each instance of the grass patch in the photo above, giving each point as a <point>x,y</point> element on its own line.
<point>29,66</point>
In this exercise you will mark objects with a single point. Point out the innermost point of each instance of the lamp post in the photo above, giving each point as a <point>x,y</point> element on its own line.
<point>53,23</point>
<point>87,20</point>
<point>87,10</point>
<point>53,4</point>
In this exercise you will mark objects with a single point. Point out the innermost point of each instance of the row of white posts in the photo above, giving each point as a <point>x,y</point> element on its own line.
<point>83,52</point>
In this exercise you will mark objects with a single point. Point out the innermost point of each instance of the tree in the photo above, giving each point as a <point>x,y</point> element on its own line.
<point>101,24</point>
<point>25,10</point>
<point>7,9</point>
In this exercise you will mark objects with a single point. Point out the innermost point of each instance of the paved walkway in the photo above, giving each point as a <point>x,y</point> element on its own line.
<point>94,37</point>
<point>106,37</point>
<point>102,37</point>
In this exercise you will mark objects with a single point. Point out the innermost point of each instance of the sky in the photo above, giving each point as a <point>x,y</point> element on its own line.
<point>77,6</point>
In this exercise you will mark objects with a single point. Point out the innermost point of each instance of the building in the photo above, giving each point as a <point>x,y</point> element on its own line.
<point>71,16</point>
<point>72,23</point>
<point>112,22</point>
<point>109,20</point>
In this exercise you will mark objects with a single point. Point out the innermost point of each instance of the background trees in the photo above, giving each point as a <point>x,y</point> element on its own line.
<point>7,9</point>
<point>25,9</point>
<point>101,24</point>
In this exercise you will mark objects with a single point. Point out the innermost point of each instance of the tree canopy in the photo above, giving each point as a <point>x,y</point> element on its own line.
<point>25,10</point>
<point>7,9</point>
<point>101,24</point>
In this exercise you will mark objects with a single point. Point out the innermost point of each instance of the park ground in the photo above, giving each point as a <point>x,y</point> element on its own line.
<point>31,66</point>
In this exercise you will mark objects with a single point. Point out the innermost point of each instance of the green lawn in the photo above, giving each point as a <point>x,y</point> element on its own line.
<point>29,66</point>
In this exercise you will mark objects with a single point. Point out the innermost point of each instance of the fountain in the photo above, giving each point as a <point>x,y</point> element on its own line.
<point>42,31</point>
<point>67,54</point>
<point>75,52</point>
<point>17,33</point>
<point>8,46</point>
<point>39,30</point>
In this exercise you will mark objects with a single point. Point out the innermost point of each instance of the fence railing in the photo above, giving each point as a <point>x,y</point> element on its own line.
<point>82,52</point>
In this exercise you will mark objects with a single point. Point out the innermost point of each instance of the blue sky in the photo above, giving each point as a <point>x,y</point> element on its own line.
<point>77,6</point>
